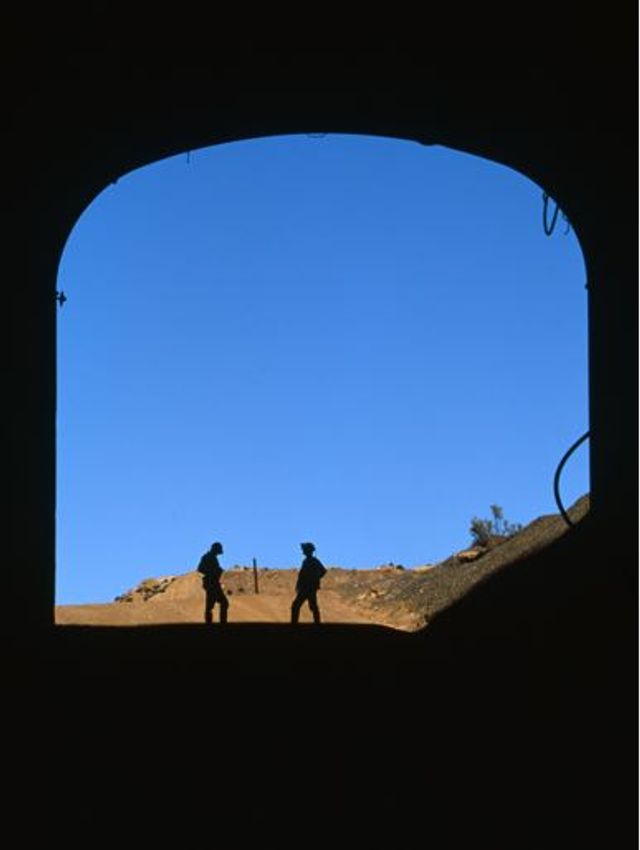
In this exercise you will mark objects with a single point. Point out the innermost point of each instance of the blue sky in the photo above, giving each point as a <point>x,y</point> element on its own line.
<point>358,341</point>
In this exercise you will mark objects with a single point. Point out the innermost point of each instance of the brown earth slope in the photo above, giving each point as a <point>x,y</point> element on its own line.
<point>402,598</point>
<point>413,598</point>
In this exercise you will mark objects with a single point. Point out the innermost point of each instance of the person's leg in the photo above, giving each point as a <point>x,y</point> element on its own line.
<point>208,607</point>
<point>224,606</point>
<point>218,595</point>
<point>313,604</point>
<point>296,605</point>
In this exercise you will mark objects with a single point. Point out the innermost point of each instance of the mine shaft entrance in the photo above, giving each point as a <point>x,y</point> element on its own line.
<point>328,336</point>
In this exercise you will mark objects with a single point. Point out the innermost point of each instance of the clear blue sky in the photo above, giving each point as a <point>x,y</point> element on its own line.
<point>353,340</point>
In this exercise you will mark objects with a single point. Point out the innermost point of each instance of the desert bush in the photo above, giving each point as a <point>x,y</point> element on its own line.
<point>482,530</point>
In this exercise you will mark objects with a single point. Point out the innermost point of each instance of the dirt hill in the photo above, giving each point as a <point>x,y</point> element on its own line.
<point>180,599</point>
<point>389,595</point>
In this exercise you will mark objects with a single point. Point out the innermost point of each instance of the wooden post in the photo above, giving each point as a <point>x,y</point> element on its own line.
<point>255,575</point>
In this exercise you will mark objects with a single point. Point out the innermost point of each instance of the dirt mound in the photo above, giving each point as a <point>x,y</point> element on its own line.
<point>180,599</point>
<point>415,597</point>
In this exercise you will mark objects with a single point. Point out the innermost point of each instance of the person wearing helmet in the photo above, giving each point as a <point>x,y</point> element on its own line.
<point>211,571</point>
<point>308,583</point>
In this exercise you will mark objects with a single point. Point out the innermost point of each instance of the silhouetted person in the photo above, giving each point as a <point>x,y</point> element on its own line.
<point>308,583</point>
<point>211,575</point>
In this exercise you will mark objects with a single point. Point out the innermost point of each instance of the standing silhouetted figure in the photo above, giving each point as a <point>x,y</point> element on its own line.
<point>308,583</point>
<point>211,574</point>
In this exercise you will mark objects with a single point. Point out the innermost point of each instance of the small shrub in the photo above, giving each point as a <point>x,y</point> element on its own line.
<point>482,530</point>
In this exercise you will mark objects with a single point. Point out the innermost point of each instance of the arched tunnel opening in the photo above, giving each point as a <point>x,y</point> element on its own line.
<point>360,339</point>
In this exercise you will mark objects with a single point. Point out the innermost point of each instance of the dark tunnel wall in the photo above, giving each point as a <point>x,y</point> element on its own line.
<point>100,114</point>
<point>512,719</point>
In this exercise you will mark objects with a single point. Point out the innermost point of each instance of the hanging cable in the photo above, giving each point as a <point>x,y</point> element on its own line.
<point>548,228</point>
<point>556,478</point>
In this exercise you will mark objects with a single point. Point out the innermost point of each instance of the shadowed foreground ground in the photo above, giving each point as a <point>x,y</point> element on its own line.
<point>505,721</point>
